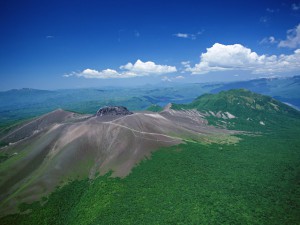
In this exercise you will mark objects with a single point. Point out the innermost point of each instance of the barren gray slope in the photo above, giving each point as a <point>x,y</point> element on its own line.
<point>36,125</point>
<point>71,149</point>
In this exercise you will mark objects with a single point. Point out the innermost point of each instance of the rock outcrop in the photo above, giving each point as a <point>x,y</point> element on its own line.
<point>113,111</point>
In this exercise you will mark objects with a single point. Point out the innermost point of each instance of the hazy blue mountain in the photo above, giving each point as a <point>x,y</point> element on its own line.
<point>26,103</point>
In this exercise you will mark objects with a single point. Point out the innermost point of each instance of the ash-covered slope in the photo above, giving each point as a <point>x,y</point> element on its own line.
<point>35,126</point>
<point>62,145</point>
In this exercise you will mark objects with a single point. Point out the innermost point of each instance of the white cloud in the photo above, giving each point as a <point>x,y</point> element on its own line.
<point>139,68</point>
<point>90,73</point>
<point>108,73</point>
<point>189,36</point>
<point>272,40</point>
<point>182,35</point>
<point>268,40</point>
<point>147,68</point>
<point>185,63</point>
<point>179,77</point>
<point>165,78</point>
<point>292,39</point>
<point>237,57</point>
<point>295,6</point>
<point>186,66</point>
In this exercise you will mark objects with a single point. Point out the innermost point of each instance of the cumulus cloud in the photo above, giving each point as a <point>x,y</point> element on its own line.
<point>139,68</point>
<point>90,73</point>
<point>292,39</point>
<point>237,57</point>
<point>147,68</point>
<point>179,77</point>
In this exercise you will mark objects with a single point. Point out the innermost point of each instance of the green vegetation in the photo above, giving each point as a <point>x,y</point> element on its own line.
<point>255,181</point>
<point>4,157</point>
<point>249,109</point>
<point>241,102</point>
<point>154,108</point>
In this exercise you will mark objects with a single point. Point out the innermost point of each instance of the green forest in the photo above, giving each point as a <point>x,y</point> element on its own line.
<point>255,181</point>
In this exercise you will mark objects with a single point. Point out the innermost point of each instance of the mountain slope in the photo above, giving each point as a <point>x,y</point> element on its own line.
<point>286,89</point>
<point>241,109</point>
<point>25,103</point>
<point>61,145</point>
<point>253,181</point>
<point>28,129</point>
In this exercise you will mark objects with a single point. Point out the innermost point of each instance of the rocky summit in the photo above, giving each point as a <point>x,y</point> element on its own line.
<point>113,111</point>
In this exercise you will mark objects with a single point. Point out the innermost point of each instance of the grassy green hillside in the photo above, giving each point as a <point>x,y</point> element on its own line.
<point>255,181</point>
<point>286,89</point>
<point>154,108</point>
<point>251,110</point>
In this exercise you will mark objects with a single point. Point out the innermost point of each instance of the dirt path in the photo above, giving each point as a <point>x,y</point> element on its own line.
<point>142,132</point>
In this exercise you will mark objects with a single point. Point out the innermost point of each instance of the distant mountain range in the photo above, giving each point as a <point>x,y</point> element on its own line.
<point>26,103</point>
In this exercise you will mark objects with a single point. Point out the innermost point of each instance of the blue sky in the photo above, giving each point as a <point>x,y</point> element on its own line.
<point>72,44</point>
